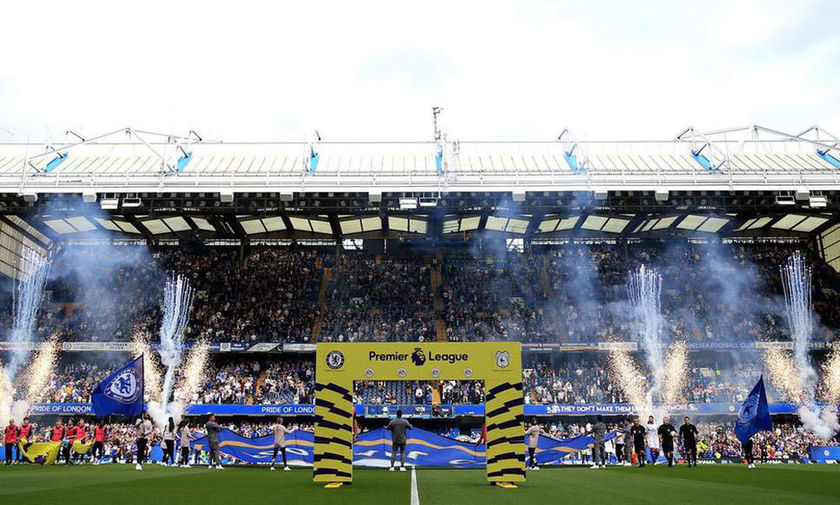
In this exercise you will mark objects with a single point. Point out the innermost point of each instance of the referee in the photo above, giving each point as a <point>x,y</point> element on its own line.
<point>666,439</point>
<point>688,435</point>
<point>639,435</point>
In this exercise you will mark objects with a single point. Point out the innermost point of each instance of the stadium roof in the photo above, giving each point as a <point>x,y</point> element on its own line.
<point>128,160</point>
<point>740,182</point>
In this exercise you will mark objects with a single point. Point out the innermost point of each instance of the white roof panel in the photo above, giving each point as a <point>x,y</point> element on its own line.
<point>80,223</point>
<point>274,223</point>
<point>60,226</point>
<point>252,226</point>
<point>203,224</point>
<point>155,226</point>
<point>177,223</point>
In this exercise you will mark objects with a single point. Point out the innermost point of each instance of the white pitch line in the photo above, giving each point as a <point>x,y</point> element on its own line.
<point>415,496</point>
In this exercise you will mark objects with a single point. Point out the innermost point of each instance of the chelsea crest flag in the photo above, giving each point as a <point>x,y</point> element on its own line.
<point>754,415</point>
<point>121,392</point>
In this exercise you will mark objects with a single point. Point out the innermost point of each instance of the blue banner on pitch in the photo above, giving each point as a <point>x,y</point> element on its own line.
<point>299,447</point>
<point>825,454</point>
<point>373,449</point>
<point>550,451</point>
<point>423,448</point>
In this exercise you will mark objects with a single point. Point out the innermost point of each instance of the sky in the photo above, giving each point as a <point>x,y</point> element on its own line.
<point>371,71</point>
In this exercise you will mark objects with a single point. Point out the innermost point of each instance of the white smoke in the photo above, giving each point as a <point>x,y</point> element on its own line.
<point>796,280</point>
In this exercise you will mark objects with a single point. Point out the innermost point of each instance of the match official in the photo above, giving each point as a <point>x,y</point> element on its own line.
<point>639,437</point>
<point>688,435</point>
<point>666,439</point>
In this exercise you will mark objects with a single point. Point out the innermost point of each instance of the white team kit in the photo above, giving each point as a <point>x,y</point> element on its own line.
<point>652,436</point>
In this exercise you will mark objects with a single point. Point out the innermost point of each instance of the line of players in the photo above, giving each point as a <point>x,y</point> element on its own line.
<point>662,437</point>
<point>631,439</point>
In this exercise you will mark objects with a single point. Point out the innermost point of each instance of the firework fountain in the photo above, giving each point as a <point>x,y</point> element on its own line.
<point>831,377</point>
<point>151,367</point>
<point>645,290</point>
<point>37,376</point>
<point>794,374</point>
<point>177,298</point>
<point>191,376</point>
<point>6,397</point>
<point>28,293</point>
<point>666,373</point>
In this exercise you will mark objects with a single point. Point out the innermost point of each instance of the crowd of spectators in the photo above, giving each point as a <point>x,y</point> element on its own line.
<point>584,382</point>
<point>289,379</point>
<point>449,392</point>
<point>268,294</point>
<point>229,381</point>
<point>378,300</point>
<point>570,293</point>
<point>74,382</point>
<point>711,378</point>
<point>711,292</point>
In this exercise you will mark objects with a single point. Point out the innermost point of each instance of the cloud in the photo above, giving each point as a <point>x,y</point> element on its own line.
<point>372,71</point>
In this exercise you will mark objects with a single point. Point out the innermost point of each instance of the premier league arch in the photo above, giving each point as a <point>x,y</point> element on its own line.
<point>499,365</point>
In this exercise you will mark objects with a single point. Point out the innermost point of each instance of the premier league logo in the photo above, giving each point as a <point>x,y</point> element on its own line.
<point>417,357</point>
<point>748,410</point>
<point>124,388</point>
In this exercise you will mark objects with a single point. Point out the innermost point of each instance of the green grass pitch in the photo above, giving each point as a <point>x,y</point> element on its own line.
<point>713,485</point>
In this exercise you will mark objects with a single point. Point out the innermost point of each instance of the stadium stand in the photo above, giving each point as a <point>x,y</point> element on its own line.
<point>560,295</point>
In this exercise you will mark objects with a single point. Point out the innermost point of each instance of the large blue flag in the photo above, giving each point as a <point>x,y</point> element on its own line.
<point>121,392</point>
<point>754,415</point>
<point>373,448</point>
